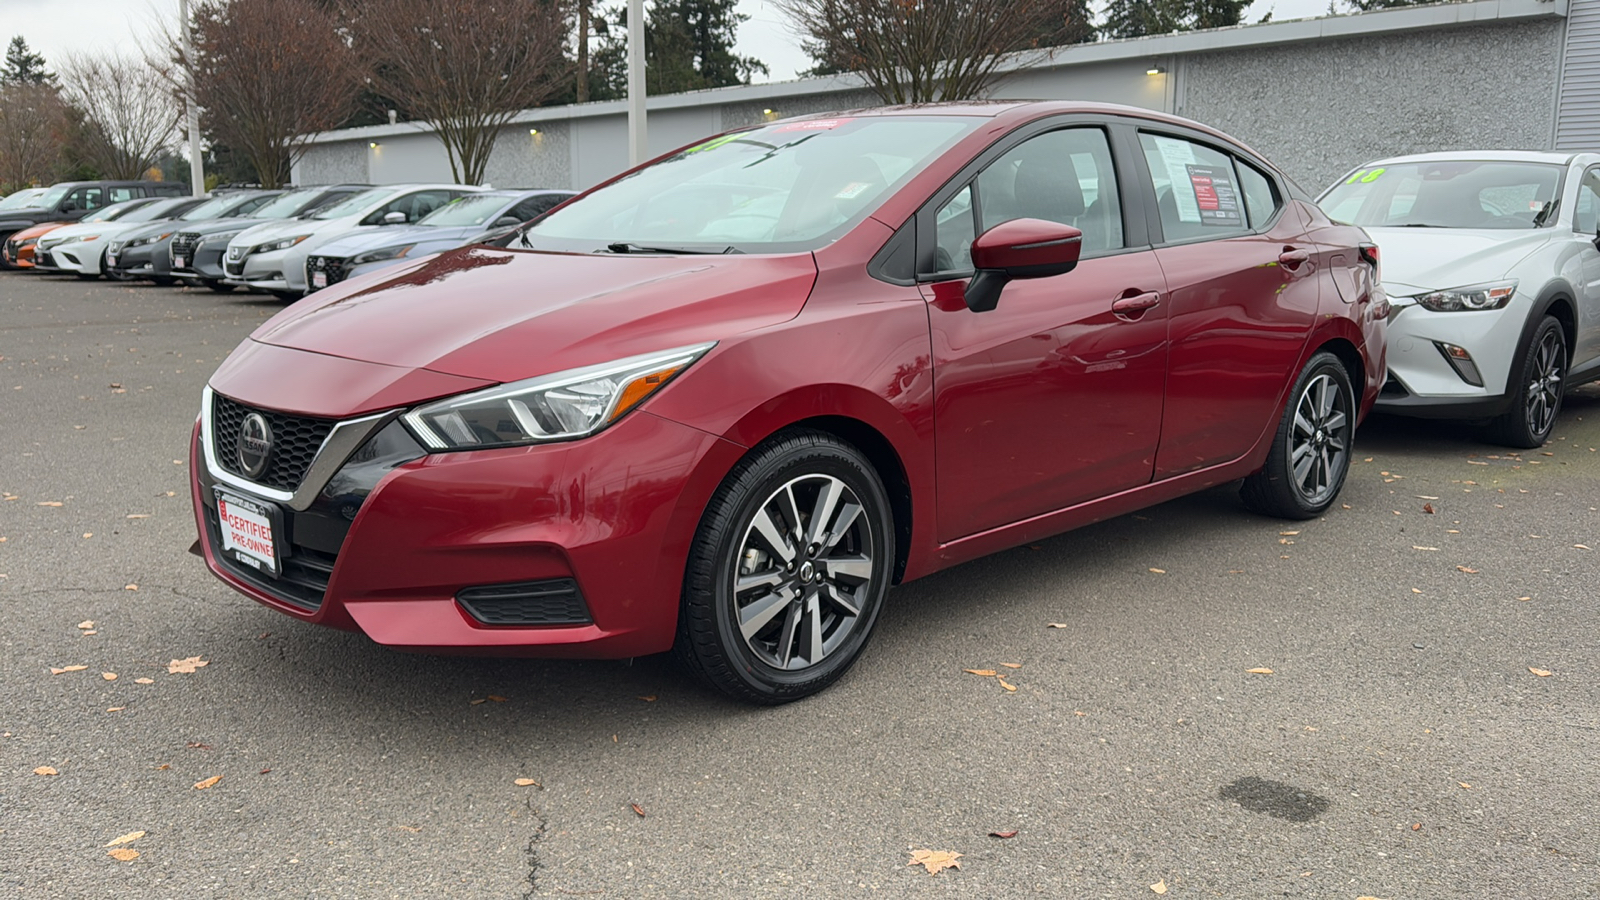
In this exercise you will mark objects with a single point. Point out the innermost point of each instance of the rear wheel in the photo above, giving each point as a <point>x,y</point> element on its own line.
<point>1310,453</point>
<point>787,572</point>
<point>1540,385</point>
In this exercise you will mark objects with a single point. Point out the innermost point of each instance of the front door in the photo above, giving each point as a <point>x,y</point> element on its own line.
<point>1052,398</point>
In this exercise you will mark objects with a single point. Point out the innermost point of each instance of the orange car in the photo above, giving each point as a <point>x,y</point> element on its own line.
<point>19,246</point>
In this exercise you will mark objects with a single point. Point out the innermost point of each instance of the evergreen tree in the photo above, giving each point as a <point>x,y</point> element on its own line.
<point>23,66</point>
<point>1139,18</point>
<point>1059,25</point>
<point>688,47</point>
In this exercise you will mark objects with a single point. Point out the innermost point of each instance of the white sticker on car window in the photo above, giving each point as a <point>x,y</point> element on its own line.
<point>1215,195</point>
<point>1177,156</point>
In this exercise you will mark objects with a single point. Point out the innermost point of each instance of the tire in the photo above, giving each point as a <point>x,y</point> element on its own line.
<point>163,280</point>
<point>792,607</point>
<point>286,296</point>
<point>1540,386</point>
<point>88,276</point>
<point>1310,453</point>
<point>221,288</point>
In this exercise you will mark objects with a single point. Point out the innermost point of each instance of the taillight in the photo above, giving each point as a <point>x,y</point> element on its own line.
<point>1369,255</point>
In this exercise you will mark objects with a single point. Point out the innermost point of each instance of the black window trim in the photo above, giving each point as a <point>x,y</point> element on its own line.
<point>1235,155</point>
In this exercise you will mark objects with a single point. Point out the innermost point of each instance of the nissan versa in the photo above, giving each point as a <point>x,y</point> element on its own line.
<point>722,402</point>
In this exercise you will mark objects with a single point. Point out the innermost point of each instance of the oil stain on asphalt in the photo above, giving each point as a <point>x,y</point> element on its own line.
<point>1276,799</point>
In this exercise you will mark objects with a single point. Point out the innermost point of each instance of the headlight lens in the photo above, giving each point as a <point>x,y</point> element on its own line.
<point>147,240</point>
<point>380,255</point>
<point>559,407</point>
<point>1471,298</point>
<point>80,237</point>
<point>218,238</point>
<point>29,242</point>
<point>280,244</point>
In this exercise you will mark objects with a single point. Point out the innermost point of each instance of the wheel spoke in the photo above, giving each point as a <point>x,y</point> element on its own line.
<point>847,518</point>
<point>791,624</point>
<point>1302,468</point>
<point>760,579</point>
<point>1335,422</point>
<point>755,617</point>
<point>1302,424</point>
<point>813,630</point>
<point>794,516</point>
<point>822,510</point>
<point>1300,452</point>
<point>857,568</point>
<point>768,531</point>
<point>833,595</point>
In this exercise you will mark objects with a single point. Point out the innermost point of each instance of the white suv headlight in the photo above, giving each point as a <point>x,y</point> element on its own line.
<point>1470,298</point>
<point>559,407</point>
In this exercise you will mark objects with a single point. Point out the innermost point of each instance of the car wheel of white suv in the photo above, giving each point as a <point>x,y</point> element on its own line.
<point>1539,385</point>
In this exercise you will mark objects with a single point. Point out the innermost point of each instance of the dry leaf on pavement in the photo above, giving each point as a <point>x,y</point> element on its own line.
<point>1464,785</point>
<point>1003,834</point>
<point>144,681</point>
<point>934,860</point>
<point>128,838</point>
<point>1012,665</point>
<point>1056,625</point>
<point>1467,569</point>
<point>56,671</point>
<point>526,782</point>
<point>109,676</point>
<point>1427,508</point>
<point>1159,571</point>
<point>87,623</point>
<point>1159,887</point>
<point>202,785</point>
<point>130,587</point>
<point>1261,670</point>
<point>45,770</point>
<point>1542,673</point>
<point>123,854</point>
<point>186,666</point>
<point>648,698</point>
<point>1007,685</point>
<point>986,673</point>
<point>638,809</point>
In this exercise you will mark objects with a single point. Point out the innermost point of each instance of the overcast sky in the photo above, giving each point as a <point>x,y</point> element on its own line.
<point>56,28</point>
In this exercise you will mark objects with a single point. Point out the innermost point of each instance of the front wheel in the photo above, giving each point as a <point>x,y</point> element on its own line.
<point>1540,386</point>
<point>787,571</point>
<point>87,276</point>
<point>220,288</point>
<point>1310,453</point>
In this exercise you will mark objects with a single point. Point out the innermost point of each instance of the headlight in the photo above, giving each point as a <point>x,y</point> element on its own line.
<point>29,242</point>
<point>1472,297</point>
<point>280,244</point>
<point>80,237</point>
<point>146,240</point>
<point>218,238</point>
<point>559,407</point>
<point>380,255</point>
<point>115,247</point>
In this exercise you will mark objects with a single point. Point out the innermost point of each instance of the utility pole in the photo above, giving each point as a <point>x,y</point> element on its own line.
<point>638,146</point>
<point>197,165</point>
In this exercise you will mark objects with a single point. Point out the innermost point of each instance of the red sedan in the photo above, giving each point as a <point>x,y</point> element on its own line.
<point>722,402</point>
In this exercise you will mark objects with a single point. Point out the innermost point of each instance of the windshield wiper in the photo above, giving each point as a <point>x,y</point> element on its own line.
<point>630,247</point>
<point>1545,212</point>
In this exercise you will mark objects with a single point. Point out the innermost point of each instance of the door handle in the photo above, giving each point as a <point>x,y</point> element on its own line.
<point>1138,303</point>
<point>1293,258</point>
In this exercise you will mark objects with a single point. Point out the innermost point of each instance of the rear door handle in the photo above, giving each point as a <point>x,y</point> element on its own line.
<point>1138,303</point>
<point>1293,258</point>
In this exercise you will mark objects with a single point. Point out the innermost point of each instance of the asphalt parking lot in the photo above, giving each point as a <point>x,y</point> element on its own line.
<point>1404,745</point>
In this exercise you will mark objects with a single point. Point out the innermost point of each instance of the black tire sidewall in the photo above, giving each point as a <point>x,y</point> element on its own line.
<point>1519,410</point>
<point>1287,499</point>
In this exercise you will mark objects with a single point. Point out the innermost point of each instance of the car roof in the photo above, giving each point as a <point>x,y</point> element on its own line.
<point>1554,157</point>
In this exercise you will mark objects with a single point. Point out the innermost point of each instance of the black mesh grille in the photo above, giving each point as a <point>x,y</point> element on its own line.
<point>337,268</point>
<point>235,269</point>
<point>183,245</point>
<point>295,442</point>
<point>304,579</point>
<point>552,602</point>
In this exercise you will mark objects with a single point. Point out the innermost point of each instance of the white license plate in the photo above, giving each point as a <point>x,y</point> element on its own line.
<point>179,262</point>
<point>319,279</point>
<point>247,532</point>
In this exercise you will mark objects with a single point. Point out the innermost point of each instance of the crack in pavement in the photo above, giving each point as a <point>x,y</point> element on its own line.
<point>533,850</point>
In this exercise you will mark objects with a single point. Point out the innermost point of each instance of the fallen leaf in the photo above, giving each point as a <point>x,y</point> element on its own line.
<point>1159,571</point>
<point>1263,670</point>
<point>45,770</point>
<point>648,698</point>
<point>935,860</point>
<point>130,587</point>
<point>109,676</point>
<point>1580,546</point>
<point>1415,547</point>
<point>637,809</point>
<point>1524,598</point>
<point>1159,887</point>
<point>264,772</point>
<point>115,708</point>
<point>128,838</point>
<point>144,681</point>
<point>1416,590</point>
<point>1464,785</point>
<point>1011,688</point>
<point>1469,571</point>
<point>55,671</point>
<point>87,633</point>
<point>1289,533</point>
<point>202,785</point>
<point>186,666</point>
<point>526,782</point>
<point>1427,508</point>
<point>986,673</point>
<point>479,700</point>
<point>123,854</point>
<point>1003,834</point>
<point>1542,673</point>
<point>1416,826</point>
<point>1426,497</point>
<point>88,534</point>
<point>196,745</point>
<point>1012,665</point>
<point>1055,625</point>
<point>163,767</point>
<point>86,623</point>
<point>50,503</point>
<point>497,698</point>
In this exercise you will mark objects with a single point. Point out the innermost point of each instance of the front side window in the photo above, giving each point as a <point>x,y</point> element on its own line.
<point>955,229</point>
<point>1061,176</point>
<point>473,209</point>
<point>781,187</point>
<point>355,204</point>
<point>1586,215</point>
<point>1197,189</point>
<point>1447,194</point>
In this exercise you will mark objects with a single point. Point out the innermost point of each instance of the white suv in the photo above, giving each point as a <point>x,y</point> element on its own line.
<point>1491,262</point>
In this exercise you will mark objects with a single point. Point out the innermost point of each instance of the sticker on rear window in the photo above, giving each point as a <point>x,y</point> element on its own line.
<point>812,125</point>
<point>1215,195</point>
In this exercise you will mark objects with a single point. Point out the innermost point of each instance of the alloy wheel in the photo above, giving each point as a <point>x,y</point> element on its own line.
<point>803,572</point>
<point>1544,390</point>
<point>1320,439</point>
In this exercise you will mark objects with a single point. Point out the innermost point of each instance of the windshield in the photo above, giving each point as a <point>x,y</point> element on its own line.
<point>211,209</point>
<point>287,205</point>
<point>356,204</point>
<point>1447,194</point>
<point>22,199</point>
<point>782,187</point>
<point>474,210</point>
<point>52,196</point>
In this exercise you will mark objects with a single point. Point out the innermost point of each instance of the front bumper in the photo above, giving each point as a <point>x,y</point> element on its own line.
<point>20,254</point>
<point>612,514</point>
<point>78,257</point>
<point>1422,382</point>
<point>143,261</point>
<point>261,271</point>
<point>202,259</point>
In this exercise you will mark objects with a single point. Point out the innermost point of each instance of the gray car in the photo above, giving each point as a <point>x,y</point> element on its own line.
<point>144,253</point>
<point>195,252</point>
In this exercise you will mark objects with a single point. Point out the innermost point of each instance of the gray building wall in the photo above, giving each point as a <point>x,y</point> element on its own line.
<point>332,164</point>
<point>1319,109</point>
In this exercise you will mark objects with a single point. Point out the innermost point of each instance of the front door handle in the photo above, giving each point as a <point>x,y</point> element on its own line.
<point>1293,258</point>
<point>1138,303</point>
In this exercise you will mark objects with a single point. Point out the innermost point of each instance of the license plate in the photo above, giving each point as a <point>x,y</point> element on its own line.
<point>319,279</point>
<point>179,262</point>
<point>247,532</point>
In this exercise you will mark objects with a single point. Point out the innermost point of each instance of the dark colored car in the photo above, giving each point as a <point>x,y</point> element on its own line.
<point>195,252</point>
<point>722,402</point>
<point>145,253</point>
<point>70,201</point>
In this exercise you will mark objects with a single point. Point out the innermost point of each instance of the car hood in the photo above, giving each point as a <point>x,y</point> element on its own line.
<point>103,229</point>
<point>503,315</point>
<point>346,245</point>
<point>26,212</point>
<point>150,229</point>
<point>217,226</point>
<point>1415,260</point>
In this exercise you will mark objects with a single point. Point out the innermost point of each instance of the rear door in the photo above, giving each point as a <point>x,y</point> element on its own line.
<point>1052,398</point>
<point>1243,293</point>
<point>1585,226</point>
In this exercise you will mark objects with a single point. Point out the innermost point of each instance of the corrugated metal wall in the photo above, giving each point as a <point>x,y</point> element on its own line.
<point>1578,106</point>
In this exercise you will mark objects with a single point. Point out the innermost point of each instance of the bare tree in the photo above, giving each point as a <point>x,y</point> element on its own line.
<point>918,51</point>
<point>128,108</point>
<point>464,66</point>
<point>268,74</point>
<point>33,121</point>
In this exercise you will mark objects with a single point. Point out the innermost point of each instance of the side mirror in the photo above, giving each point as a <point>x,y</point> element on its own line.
<point>395,218</point>
<point>507,222</point>
<point>1020,248</point>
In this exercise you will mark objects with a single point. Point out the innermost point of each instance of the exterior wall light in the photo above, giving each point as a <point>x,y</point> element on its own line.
<point>766,112</point>
<point>1156,69</point>
<point>534,132</point>
<point>373,145</point>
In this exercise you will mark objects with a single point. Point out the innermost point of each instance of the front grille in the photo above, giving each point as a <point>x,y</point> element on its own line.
<point>235,269</point>
<point>183,245</point>
<point>295,442</point>
<point>337,268</point>
<point>11,250</point>
<point>552,602</point>
<point>303,582</point>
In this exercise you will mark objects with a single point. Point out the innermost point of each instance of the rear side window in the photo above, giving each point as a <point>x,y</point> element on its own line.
<point>119,194</point>
<point>1197,189</point>
<point>1260,200</point>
